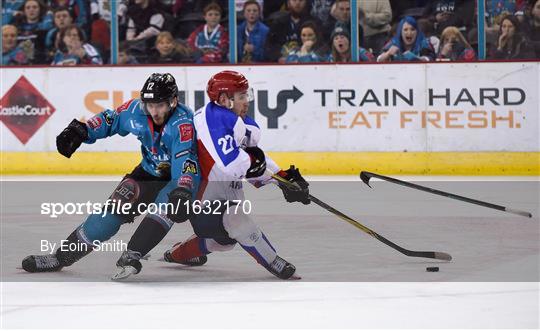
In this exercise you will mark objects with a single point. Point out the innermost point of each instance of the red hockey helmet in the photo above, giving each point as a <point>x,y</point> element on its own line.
<point>226,81</point>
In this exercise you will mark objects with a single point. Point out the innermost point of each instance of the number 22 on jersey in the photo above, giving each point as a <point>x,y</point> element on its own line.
<point>226,144</point>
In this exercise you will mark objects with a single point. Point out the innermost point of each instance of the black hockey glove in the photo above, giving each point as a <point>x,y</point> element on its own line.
<point>298,192</point>
<point>179,213</point>
<point>71,138</point>
<point>258,162</point>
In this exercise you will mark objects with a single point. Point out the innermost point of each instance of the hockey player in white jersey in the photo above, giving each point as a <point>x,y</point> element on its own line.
<point>228,153</point>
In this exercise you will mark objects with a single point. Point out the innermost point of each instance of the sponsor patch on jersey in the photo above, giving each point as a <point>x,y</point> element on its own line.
<point>189,167</point>
<point>186,182</point>
<point>186,132</point>
<point>124,106</point>
<point>180,154</point>
<point>95,122</point>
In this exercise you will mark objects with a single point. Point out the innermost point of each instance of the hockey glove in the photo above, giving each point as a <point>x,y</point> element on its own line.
<point>300,191</point>
<point>71,138</point>
<point>180,199</point>
<point>258,162</point>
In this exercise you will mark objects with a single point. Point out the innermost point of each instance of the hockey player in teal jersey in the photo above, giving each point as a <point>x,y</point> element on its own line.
<point>168,173</point>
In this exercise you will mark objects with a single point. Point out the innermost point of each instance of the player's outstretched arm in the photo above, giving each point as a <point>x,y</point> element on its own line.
<point>105,124</point>
<point>71,138</point>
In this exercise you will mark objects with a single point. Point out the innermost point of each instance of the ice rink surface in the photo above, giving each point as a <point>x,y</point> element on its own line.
<point>350,280</point>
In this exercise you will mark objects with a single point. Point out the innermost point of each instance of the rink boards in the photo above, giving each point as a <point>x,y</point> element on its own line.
<point>437,118</point>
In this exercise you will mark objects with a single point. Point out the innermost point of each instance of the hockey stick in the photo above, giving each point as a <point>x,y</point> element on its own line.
<point>366,176</point>
<point>430,255</point>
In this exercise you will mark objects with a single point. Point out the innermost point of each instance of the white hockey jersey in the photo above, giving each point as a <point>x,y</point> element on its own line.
<point>221,137</point>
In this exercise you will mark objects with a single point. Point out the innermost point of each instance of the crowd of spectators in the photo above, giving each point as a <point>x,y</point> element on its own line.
<point>71,32</point>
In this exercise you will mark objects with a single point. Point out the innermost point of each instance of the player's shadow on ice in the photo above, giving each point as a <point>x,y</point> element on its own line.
<point>203,274</point>
<point>68,275</point>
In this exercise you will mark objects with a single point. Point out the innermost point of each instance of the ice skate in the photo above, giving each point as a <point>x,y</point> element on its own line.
<point>41,263</point>
<point>193,262</point>
<point>128,264</point>
<point>283,269</point>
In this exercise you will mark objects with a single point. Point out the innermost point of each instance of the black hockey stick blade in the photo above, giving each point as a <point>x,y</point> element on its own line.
<point>429,255</point>
<point>366,176</point>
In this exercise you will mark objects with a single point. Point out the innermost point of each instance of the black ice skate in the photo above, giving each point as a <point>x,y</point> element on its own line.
<point>283,269</point>
<point>193,262</point>
<point>128,264</point>
<point>58,260</point>
<point>41,263</point>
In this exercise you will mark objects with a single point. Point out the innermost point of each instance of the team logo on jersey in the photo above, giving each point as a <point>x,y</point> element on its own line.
<point>124,106</point>
<point>189,167</point>
<point>186,132</point>
<point>186,182</point>
<point>95,122</point>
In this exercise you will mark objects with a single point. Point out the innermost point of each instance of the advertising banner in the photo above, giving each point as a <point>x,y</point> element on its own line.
<point>477,107</point>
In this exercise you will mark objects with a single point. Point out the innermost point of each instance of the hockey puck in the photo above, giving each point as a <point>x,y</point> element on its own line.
<point>432,269</point>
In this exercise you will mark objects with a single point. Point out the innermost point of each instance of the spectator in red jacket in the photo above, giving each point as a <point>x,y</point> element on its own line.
<point>210,41</point>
